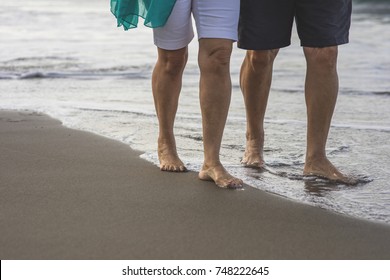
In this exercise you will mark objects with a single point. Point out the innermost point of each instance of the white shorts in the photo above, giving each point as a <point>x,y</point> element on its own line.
<point>213,18</point>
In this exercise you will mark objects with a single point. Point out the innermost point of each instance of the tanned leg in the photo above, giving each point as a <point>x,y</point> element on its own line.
<point>215,94</point>
<point>166,86</point>
<point>321,90</point>
<point>255,81</point>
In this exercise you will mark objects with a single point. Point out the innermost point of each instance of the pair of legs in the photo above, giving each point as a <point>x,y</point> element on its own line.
<point>215,92</point>
<point>321,90</point>
<point>217,30</point>
<point>266,26</point>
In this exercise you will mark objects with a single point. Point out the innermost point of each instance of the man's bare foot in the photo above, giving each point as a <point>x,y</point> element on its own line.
<point>220,176</point>
<point>253,156</point>
<point>169,160</point>
<point>325,169</point>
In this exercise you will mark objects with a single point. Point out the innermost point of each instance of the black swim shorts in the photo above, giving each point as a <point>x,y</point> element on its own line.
<point>267,24</point>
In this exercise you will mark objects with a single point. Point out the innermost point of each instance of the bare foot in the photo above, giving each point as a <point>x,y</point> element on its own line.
<point>169,160</point>
<point>220,176</point>
<point>325,169</point>
<point>253,156</point>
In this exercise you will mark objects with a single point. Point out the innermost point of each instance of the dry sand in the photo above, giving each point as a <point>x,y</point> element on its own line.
<point>68,194</point>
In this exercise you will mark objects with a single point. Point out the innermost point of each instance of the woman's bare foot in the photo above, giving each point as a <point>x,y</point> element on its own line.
<point>169,160</point>
<point>325,169</point>
<point>220,176</point>
<point>253,156</point>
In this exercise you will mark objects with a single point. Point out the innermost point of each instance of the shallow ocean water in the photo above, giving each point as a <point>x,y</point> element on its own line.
<point>97,78</point>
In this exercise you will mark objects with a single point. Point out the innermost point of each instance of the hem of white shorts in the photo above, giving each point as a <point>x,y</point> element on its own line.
<point>169,45</point>
<point>218,35</point>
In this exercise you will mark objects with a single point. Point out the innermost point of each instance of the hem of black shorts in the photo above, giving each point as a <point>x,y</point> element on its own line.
<point>325,44</point>
<point>262,48</point>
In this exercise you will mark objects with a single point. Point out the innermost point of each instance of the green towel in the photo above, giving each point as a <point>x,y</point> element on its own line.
<point>154,12</point>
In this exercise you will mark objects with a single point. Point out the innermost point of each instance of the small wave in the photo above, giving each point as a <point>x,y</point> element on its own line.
<point>380,7</point>
<point>137,113</point>
<point>194,137</point>
<point>289,90</point>
<point>381,92</point>
<point>34,75</point>
<point>38,58</point>
<point>285,121</point>
<point>72,75</point>
<point>367,92</point>
<point>56,67</point>
<point>234,147</point>
<point>341,149</point>
<point>29,75</point>
<point>363,127</point>
<point>4,76</point>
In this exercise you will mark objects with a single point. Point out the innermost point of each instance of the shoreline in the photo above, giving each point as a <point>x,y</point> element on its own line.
<point>69,194</point>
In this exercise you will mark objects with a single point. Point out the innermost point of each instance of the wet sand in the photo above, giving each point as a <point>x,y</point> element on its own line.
<point>68,194</point>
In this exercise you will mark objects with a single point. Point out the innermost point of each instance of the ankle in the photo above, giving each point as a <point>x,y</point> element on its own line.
<point>315,158</point>
<point>253,137</point>
<point>211,165</point>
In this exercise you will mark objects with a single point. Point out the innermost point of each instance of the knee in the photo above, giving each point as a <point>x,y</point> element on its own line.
<point>261,59</point>
<point>323,57</point>
<point>173,62</point>
<point>216,59</point>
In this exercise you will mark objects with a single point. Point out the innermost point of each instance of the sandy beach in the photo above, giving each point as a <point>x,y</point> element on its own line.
<point>68,194</point>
